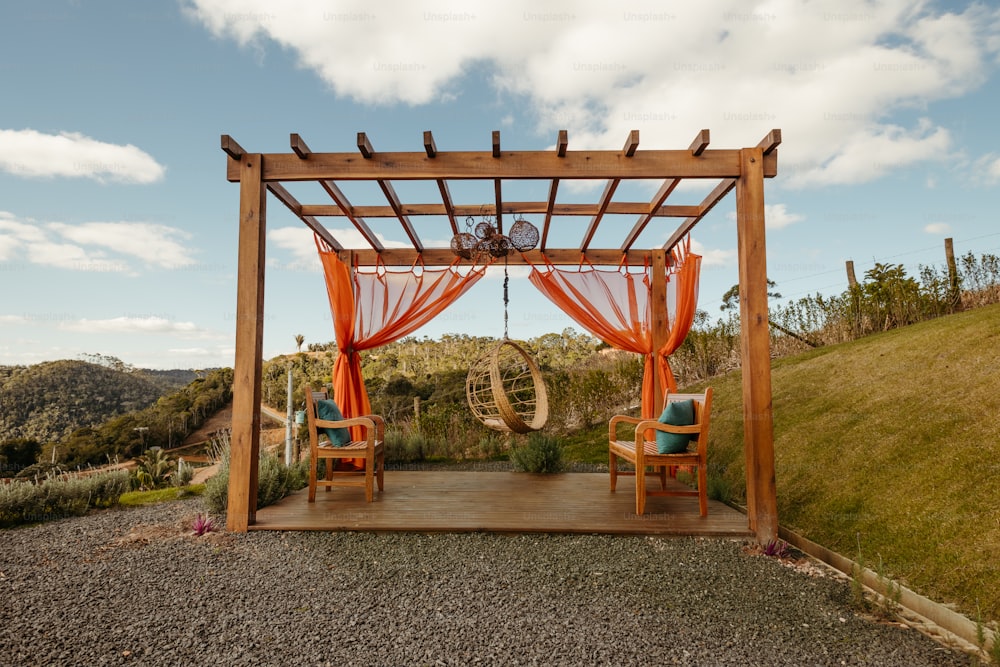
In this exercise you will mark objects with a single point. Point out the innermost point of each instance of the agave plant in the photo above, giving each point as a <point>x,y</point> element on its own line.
<point>202,524</point>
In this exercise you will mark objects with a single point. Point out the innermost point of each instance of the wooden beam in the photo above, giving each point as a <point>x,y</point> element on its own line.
<point>713,198</point>
<point>631,144</point>
<point>602,206</point>
<point>770,142</point>
<point>245,438</point>
<point>652,164</point>
<point>444,257</point>
<point>299,146</point>
<point>538,207</point>
<point>345,205</point>
<point>286,198</point>
<point>550,205</point>
<point>496,143</point>
<point>449,206</point>
<point>660,323</point>
<point>700,143</point>
<point>661,196</point>
<point>755,352</point>
<point>393,199</point>
<point>429,147</point>
<point>365,146</point>
<point>562,143</point>
<point>232,149</point>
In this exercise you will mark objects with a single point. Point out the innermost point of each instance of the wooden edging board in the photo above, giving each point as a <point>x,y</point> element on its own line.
<point>956,629</point>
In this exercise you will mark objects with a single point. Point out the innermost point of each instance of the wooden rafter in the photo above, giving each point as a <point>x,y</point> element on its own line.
<point>344,205</point>
<point>669,166</point>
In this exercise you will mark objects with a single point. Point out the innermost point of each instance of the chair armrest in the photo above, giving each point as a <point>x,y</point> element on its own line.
<point>619,419</point>
<point>655,425</point>
<point>366,422</point>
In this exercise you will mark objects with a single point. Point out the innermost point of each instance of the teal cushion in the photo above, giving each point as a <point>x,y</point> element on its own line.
<point>677,413</point>
<point>328,411</point>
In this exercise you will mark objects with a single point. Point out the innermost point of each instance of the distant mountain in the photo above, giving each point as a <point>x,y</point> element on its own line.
<point>48,401</point>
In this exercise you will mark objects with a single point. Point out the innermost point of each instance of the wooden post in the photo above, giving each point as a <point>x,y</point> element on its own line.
<point>660,323</point>
<point>758,426</point>
<point>954,293</point>
<point>852,282</point>
<point>245,441</point>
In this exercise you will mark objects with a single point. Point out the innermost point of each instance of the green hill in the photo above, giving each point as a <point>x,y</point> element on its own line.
<point>48,401</point>
<point>890,444</point>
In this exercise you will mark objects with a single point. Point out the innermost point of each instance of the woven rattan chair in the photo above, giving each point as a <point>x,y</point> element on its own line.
<point>371,450</point>
<point>506,391</point>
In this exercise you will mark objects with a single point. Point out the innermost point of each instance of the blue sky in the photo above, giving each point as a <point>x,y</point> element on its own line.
<point>118,226</point>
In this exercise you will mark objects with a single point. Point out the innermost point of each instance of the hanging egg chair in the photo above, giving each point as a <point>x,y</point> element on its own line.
<point>505,390</point>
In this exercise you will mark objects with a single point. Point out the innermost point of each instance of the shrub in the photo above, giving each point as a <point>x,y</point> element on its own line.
<point>540,453</point>
<point>183,475</point>
<point>59,496</point>
<point>275,480</point>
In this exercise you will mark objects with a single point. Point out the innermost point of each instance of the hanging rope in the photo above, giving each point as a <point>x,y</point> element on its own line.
<point>506,298</point>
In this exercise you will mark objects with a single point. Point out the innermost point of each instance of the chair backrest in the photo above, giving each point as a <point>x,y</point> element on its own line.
<point>702,411</point>
<point>313,397</point>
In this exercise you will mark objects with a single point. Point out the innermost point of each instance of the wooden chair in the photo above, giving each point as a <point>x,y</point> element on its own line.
<point>371,449</point>
<point>643,454</point>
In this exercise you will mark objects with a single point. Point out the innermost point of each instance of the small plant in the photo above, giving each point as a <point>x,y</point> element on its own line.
<point>202,525</point>
<point>183,475</point>
<point>776,549</point>
<point>888,605</point>
<point>541,453</point>
<point>858,599</point>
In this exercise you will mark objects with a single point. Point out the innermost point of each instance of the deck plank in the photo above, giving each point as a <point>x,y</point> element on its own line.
<point>476,501</point>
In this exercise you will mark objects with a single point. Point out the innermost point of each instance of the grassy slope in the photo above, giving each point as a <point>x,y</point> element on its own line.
<point>893,442</point>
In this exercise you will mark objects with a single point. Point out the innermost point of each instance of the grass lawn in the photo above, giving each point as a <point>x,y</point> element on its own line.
<point>889,445</point>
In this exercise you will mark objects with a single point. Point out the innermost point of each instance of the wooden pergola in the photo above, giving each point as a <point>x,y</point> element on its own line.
<point>743,169</point>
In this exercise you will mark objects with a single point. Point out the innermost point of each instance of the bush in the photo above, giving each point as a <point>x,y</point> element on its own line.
<point>541,453</point>
<point>59,496</point>
<point>275,480</point>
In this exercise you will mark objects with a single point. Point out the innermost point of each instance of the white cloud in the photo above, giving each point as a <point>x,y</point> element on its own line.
<point>152,243</point>
<point>937,228</point>
<point>829,75</point>
<point>776,216</point>
<point>85,246</point>
<point>33,154</point>
<point>986,169</point>
<point>713,257</point>
<point>138,325</point>
<point>299,242</point>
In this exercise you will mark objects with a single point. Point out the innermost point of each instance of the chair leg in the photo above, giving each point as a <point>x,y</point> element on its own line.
<point>369,480</point>
<point>312,479</point>
<point>330,464</point>
<point>663,477</point>
<point>613,469</point>
<point>702,490</point>
<point>640,488</point>
<point>380,470</point>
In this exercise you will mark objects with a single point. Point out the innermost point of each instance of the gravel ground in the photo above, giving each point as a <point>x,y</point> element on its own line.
<point>135,587</point>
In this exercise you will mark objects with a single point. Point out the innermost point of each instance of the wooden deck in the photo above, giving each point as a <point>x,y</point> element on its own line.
<point>505,502</point>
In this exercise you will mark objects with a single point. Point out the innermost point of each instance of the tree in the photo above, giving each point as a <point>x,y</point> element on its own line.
<point>299,339</point>
<point>731,301</point>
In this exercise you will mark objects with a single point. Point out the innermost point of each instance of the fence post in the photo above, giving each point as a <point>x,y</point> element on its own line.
<point>954,293</point>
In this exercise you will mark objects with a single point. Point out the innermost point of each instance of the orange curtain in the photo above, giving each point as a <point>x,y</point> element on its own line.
<point>376,307</point>
<point>615,306</point>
